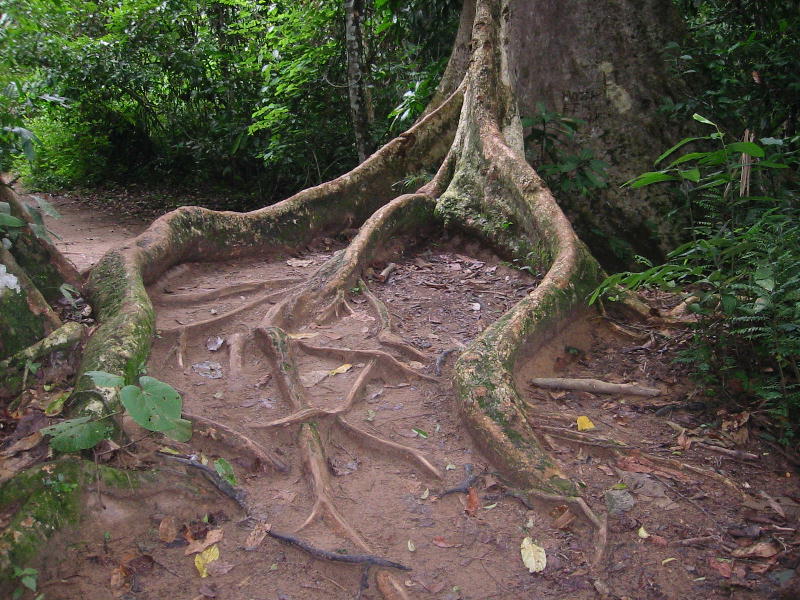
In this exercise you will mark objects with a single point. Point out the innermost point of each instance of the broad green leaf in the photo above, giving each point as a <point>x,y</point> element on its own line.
<point>683,142</point>
<point>691,175</point>
<point>748,148</point>
<point>225,470</point>
<point>702,119</point>
<point>182,432</point>
<point>687,158</point>
<point>156,406</point>
<point>9,221</point>
<point>103,379</point>
<point>649,178</point>
<point>420,432</point>
<point>77,434</point>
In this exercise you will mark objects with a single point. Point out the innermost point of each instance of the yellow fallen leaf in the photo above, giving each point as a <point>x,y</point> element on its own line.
<point>411,546</point>
<point>302,336</point>
<point>668,560</point>
<point>201,560</point>
<point>642,533</point>
<point>341,369</point>
<point>533,556</point>
<point>585,424</point>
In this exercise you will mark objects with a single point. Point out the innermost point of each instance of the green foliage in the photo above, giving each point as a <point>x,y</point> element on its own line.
<point>740,272</point>
<point>156,406</point>
<point>225,470</point>
<point>231,92</point>
<point>739,61</point>
<point>153,404</point>
<point>78,434</point>
<point>553,147</point>
<point>28,580</point>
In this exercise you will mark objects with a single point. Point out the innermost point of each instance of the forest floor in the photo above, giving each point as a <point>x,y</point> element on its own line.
<point>699,504</point>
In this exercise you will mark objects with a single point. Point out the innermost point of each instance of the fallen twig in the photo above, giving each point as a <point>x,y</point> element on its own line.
<point>463,487</point>
<point>594,385</point>
<point>234,493</point>
<point>356,559</point>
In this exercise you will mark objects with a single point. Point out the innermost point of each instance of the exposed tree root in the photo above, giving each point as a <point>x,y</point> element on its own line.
<point>379,443</point>
<point>387,361</point>
<point>36,302</point>
<point>483,187</point>
<point>595,386</point>
<point>385,334</point>
<point>240,442</point>
<point>189,299</point>
<point>234,493</point>
<point>220,320</point>
<point>278,346</point>
<point>312,412</point>
<point>599,523</point>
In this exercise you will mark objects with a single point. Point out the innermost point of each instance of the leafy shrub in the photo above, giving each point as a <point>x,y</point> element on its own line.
<point>552,146</point>
<point>69,154</point>
<point>740,273</point>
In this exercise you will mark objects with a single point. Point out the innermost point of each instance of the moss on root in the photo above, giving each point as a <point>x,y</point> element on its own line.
<point>42,500</point>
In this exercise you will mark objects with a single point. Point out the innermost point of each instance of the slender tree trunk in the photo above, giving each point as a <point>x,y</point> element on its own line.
<point>357,76</point>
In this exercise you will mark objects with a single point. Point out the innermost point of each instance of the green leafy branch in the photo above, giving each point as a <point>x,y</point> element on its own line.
<point>152,404</point>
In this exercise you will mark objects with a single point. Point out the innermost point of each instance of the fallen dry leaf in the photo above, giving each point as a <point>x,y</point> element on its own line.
<point>472,502</point>
<point>760,550</point>
<point>341,369</point>
<point>722,566</point>
<point>605,469</point>
<point>219,567</point>
<point>168,530</point>
<point>773,503</point>
<point>23,444</point>
<point>212,537</point>
<point>659,540</point>
<point>533,556</point>
<point>585,423</point>
<point>257,536</point>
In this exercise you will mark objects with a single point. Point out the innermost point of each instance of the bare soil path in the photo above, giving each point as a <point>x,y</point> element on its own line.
<point>349,439</point>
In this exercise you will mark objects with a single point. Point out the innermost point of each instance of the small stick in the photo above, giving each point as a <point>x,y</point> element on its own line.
<point>736,454</point>
<point>697,541</point>
<point>577,436</point>
<point>594,385</point>
<point>357,559</point>
<point>235,494</point>
<point>463,487</point>
<point>384,275</point>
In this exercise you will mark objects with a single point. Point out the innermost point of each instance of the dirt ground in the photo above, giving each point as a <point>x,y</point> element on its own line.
<point>698,504</point>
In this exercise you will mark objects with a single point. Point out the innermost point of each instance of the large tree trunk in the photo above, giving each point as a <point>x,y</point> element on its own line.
<point>472,137</point>
<point>600,61</point>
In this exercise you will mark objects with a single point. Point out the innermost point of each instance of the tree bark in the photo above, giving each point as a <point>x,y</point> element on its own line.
<point>357,76</point>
